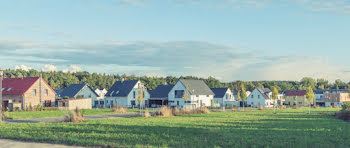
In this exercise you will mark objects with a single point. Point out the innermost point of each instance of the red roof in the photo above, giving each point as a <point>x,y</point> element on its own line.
<point>17,86</point>
<point>296,93</point>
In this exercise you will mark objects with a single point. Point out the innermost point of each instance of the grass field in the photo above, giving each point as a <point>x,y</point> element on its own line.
<point>253,128</point>
<point>59,113</point>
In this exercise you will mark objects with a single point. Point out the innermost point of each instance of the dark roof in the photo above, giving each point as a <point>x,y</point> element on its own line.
<point>264,92</point>
<point>319,91</point>
<point>196,87</point>
<point>59,91</point>
<point>17,86</point>
<point>235,92</point>
<point>219,92</point>
<point>121,88</point>
<point>161,91</point>
<point>72,90</point>
<point>337,91</point>
<point>295,92</point>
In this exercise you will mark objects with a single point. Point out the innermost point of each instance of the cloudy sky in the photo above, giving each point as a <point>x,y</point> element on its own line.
<point>227,39</point>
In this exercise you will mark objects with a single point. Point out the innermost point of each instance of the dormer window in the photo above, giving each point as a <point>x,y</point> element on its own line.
<point>8,89</point>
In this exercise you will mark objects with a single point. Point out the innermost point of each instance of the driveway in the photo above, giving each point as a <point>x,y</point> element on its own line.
<point>61,119</point>
<point>4,143</point>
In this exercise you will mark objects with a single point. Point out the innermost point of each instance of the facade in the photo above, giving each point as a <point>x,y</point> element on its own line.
<point>336,97</point>
<point>125,93</point>
<point>82,90</point>
<point>159,96</point>
<point>260,97</point>
<point>197,92</point>
<point>99,102</point>
<point>21,93</point>
<point>70,104</point>
<point>319,96</point>
<point>223,97</point>
<point>296,97</point>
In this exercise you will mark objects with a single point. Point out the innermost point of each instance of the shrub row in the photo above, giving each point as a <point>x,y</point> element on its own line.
<point>167,111</point>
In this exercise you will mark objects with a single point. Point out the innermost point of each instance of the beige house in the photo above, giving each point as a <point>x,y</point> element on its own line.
<point>336,97</point>
<point>21,93</point>
<point>296,97</point>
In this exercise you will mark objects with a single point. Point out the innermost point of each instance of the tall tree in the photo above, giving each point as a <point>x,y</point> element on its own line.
<point>243,94</point>
<point>140,97</point>
<point>308,82</point>
<point>274,98</point>
<point>310,97</point>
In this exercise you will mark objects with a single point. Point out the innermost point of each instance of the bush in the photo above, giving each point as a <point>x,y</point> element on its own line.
<point>343,115</point>
<point>74,116</point>
<point>316,106</point>
<point>147,114</point>
<point>119,110</point>
<point>50,108</point>
<point>345,106</point>
<point>5,116</point>
<point>165,111</point>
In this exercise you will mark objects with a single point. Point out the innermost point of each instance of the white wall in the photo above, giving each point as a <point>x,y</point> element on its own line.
<point>195,99</point>
<point>256,97</point>
<point>86,92</point>
<point>227,99</point>
<point>126,101</point>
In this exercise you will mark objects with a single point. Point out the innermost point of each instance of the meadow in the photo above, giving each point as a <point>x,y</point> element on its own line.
<point>250,128</point>
<point>60,113</point>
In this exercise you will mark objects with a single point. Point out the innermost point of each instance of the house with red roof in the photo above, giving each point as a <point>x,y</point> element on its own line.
<point>296,97</point>
<point>21,93</point>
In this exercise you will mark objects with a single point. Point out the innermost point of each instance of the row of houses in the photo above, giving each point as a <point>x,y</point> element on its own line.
<point>20,93</point>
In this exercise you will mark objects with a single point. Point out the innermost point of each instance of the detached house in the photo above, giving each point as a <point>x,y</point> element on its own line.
<point>260,97</point>
<point>223,97</point>
<point>159,96</point>
<point>296,97</point>
<point>197,92</point>
<point>79,91</point>
<point>21,93</point>
<point>336,97</point>
<point>101,92</point>
<point>125,94</point>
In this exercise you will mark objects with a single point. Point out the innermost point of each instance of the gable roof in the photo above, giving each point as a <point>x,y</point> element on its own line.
<point>295,92</point>
<point>219,92</point>
<point>161,91</point>
<point>196,87</point>
<point>17,86</point>
<point>121,88</point>
<point>72,90</point>
<point>264,92</point>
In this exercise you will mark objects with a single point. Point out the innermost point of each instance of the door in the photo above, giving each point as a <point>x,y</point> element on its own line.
<point>5,105</point>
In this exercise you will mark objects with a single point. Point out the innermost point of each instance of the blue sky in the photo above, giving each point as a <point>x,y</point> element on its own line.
<point>227,39</point>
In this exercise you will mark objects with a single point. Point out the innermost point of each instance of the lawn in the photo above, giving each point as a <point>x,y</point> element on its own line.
<point>253,128</point>
<point>59,113</point>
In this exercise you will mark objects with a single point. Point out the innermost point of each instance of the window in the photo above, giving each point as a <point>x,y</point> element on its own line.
<point>102,102</point>
<point>47,103</point>
<point>34,92</point>
<point>197,96</point>
<point>143,93</point>
<point>107,101</point>
<point>8,89</point>
<point>96,102</point>
<point>187,101</point>
<point>133,103</point>
<point>208,96</point>
<point>258,96</point>
<point>178,102</point>
<point>252,96</point>
<point>46,92</point>
<point>89,95</point>
<point>226,97</point>
<point>300,103</point>
<point>2,89</point>
<point>134,94</point>
<point>19,101</point>
<point>179,93</point>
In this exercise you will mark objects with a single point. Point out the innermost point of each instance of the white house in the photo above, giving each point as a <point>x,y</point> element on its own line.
<point>197,92</point>
<point>319,97</point>
<point>260,97</point>
<point>99,101</point>
<point>223,97</point>
<point>125,94</point>
<point>82,90</point>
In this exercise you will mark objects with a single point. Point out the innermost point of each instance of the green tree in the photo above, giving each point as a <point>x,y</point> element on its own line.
<point>308,82</point>
<point>310,96</point>
<point>274,98</point>
<point>243,94</point>
<point>140,97</point>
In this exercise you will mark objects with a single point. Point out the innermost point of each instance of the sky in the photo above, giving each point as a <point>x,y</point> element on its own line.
<point>227,39</point>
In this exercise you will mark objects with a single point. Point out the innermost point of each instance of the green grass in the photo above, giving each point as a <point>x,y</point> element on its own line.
<point>59,113</point>
<point>253,128</point>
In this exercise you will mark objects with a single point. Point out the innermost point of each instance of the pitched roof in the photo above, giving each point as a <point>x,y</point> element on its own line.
<point>219,92</point>
<point>161,91</point>
<point>17,86</point>
<point>295,92</point>
<point>73,89</point>
<point>196,87</point>
<point>121,88</point>
<point>264,92</point>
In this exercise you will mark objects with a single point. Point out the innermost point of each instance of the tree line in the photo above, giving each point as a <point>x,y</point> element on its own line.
<point>61,79</point>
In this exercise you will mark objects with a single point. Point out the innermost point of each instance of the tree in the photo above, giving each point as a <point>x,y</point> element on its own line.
<point>308,82</point>
<point>239,98</point>
<point>274,98</point>
<point>140,97</point>
<point>310,97</point>
<point>243,95</point>
<point>185,96</point>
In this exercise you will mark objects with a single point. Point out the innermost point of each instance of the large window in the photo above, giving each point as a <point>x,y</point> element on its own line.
<point>179,93</point>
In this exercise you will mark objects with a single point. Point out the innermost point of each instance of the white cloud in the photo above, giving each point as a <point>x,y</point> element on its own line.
<point>23,67</point>
<point>49,68</point>
<point>75,68</point>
